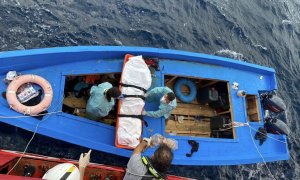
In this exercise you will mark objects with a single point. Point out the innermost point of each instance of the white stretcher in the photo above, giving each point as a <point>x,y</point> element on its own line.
<point>135,80</point>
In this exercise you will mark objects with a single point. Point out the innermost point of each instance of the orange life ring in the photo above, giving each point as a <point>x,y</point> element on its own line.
<point>30,110</point>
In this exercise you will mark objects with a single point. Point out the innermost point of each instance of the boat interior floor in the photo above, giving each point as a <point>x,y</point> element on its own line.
<point>188,119</point>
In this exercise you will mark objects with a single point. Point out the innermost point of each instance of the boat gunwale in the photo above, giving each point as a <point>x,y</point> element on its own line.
<point>122,50</point>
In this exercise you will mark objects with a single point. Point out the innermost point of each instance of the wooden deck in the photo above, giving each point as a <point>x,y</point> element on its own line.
<point>196,120</point>
<point>79,105</point>
<point>189,127</point>
<point>196,117</point>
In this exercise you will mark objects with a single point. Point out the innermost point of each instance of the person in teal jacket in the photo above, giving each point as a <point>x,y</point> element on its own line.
<point>167,101</point>
<point>101,100</point>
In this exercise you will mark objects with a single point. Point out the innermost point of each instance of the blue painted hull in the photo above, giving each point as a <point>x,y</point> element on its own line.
<point>54,64</point>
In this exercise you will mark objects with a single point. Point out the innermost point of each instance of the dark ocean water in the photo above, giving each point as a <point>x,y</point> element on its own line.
<point>265,32</point>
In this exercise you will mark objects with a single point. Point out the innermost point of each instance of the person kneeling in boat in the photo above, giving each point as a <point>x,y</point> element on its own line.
<point>156,167</point>
<point>167,100</point>
<point>101,100</point>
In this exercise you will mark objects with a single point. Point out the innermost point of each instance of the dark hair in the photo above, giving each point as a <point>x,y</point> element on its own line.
<point>162,158</point>
<point>113,92</point>
<point>171,96</point>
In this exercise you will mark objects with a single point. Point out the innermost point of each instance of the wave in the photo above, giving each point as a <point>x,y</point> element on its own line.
<point>230,54</point>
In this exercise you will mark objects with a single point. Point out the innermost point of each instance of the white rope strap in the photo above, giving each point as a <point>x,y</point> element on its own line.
<point>32,78</point>
<point>240,124</point>
<point>11,92</point>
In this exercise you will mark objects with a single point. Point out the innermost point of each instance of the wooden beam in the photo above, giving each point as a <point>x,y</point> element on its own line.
<point>188,132</point>
<point>172,79</point>
<point>208,84</point>
<point>225,112</point>
<point>193,110</point>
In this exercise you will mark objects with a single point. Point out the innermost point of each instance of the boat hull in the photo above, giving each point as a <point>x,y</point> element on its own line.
<point>54,64</point>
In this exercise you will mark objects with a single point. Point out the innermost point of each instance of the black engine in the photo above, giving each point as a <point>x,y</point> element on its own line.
<point>272,102</point>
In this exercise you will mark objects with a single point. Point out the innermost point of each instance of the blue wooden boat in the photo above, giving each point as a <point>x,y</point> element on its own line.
<point>224,127</point>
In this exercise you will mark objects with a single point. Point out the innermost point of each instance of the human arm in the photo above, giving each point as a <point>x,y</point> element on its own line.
<point>159,113</point>
<point>84,160</point>
<point>141,147</point>
<point>154,140</point>
<point>81,171</point>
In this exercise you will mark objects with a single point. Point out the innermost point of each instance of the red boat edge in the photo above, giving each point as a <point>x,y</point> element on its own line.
<point>35,166</point>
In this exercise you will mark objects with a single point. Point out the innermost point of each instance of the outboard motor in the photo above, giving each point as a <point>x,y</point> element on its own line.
<point>273,102</point>
<point>276,126</point>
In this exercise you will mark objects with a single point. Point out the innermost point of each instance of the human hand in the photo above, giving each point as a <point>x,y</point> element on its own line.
<point>156,139</point>
<point>172,143</point>
<point>148,140</point>
<point>84,160</point>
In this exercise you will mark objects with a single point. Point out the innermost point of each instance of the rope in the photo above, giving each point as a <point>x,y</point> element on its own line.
<point>269,136</point>
<point>36,128</point>
<point>260,153</point>
<point>239,124</point>
<point>12,117</point>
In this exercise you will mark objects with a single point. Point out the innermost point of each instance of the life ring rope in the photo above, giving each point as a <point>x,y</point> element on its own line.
<point>11,92</point>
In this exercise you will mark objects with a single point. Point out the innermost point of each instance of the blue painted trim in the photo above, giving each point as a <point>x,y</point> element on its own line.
<point>85,121</point>
<point>93,52</point>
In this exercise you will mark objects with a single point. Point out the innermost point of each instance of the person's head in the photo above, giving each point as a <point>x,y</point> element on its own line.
<point>113,92</point>
<point>162,158</point>
<point>167,98</point>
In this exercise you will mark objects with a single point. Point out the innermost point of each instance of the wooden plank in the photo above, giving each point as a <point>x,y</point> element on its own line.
<point>193,110</point>
<point>74,102</point>
<point>251,97</point>
<point>225,112</point>
<point>188,127</point>
<point>254,117</point>
<point>171,124</point>
<point>189,132</point>
<point>252,105</point>
<point>206,119</point>
<point>252,111</point>
<point>202,128</point>
<point>171,80</point>
<point>193,102</point>
<point>252,108</point>
<point>231,110</point>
